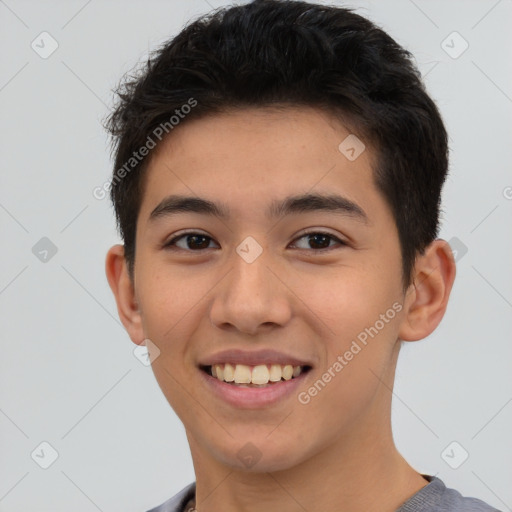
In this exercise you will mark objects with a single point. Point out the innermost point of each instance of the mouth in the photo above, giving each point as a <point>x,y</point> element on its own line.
<point>253,379</point>
<point>254,376</point>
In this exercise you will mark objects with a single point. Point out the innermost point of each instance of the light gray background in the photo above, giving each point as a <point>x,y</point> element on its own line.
<point>68,373</point>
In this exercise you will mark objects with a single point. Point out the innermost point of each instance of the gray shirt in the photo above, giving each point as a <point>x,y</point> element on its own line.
<point>434,497</point>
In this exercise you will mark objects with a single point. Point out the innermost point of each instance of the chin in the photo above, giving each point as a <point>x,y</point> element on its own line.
<point>260,454</point>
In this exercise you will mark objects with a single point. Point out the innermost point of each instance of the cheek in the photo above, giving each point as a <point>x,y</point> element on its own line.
<point>361,311</point>
<point>166,318</point>
<point>350,300</point>
<point>166,298</point>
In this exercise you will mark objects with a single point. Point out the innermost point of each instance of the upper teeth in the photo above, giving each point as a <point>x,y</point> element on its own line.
<point>259,374</point>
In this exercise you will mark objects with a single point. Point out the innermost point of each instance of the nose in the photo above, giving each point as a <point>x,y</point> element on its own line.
<point>251,298</point>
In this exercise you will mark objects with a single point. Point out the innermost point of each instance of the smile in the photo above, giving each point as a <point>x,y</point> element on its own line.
<point>254,376</point>
<point>253,379</point>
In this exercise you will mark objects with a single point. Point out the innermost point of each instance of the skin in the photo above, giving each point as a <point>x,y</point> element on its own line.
<point>337,451</point>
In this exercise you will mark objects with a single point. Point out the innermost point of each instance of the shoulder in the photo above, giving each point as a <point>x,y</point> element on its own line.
<point>177,502</point>
<point>436,497</point>
<point>453,501</point>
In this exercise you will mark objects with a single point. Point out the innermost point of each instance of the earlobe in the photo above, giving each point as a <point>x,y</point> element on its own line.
<point>429,294</point>
<point>122,287</point>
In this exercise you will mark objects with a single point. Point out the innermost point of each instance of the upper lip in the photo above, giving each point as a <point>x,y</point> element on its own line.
<point>252,358</point>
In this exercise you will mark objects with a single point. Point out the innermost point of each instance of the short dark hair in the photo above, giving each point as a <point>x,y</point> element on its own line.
<point>290,53</point>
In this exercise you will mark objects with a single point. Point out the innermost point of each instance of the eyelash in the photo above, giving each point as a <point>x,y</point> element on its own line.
<point>171,244</point>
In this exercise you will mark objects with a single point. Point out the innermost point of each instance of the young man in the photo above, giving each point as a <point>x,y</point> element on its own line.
<point>277,182</point>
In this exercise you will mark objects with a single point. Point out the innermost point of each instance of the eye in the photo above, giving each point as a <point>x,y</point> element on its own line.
<point>320,240</point>
<point>190,241</point>
<point>195,242</point>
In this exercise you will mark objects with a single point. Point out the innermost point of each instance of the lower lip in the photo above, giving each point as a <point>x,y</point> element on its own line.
<point>252,398</point>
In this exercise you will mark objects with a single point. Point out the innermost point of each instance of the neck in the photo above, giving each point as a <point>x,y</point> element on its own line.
<point>355,485</point>
<point>363,478</point>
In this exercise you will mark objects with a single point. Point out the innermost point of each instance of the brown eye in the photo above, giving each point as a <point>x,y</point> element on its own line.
<point>319,241</point>
<point>189,242</point>
<point>197,241</point>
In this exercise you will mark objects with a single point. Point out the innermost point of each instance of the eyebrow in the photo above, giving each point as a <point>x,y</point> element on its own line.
<point>333,203</point>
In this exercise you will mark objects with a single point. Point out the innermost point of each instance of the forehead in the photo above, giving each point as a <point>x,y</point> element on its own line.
<point>244,155</point>
<point>272,134</point>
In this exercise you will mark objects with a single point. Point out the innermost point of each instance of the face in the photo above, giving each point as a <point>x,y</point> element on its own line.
<point>291,257</point>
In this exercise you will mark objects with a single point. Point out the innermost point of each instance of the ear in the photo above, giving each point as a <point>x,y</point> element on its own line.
<point>427,297</point>
<point>124,293</point>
